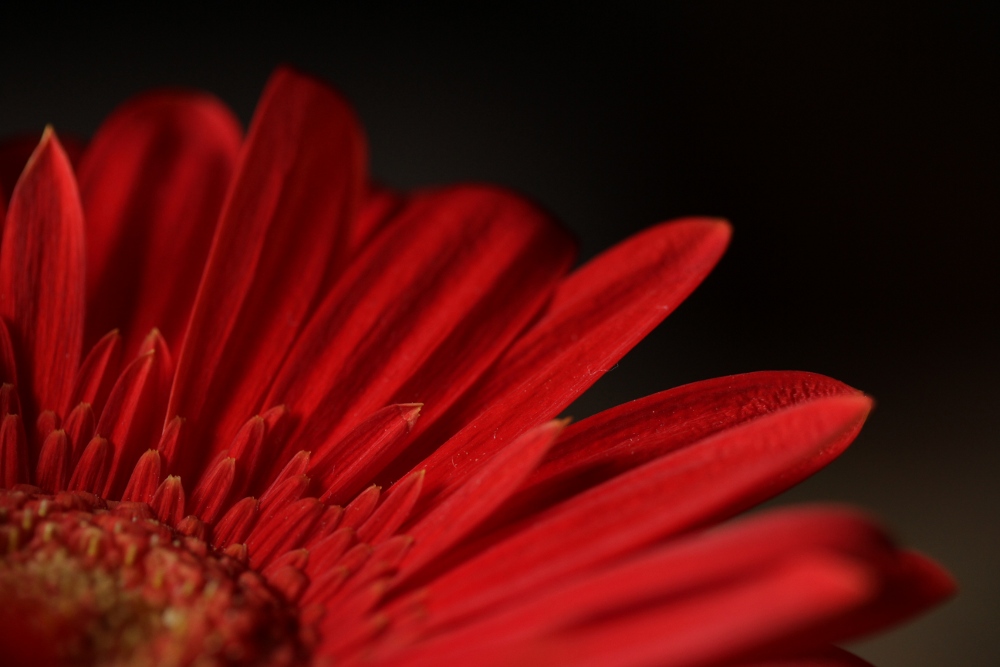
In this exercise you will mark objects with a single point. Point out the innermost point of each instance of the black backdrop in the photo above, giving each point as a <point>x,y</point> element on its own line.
<point>855,147</point>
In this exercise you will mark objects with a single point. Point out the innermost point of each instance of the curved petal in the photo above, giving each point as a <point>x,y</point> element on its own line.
<point>910,584</point>
<point>710,480</point>
<point>42,268</point>
<point>474,501</point>
<point>615,441</point>
<point>424,310</point>
<point>673,581</point>
<point>300,178</point>
<point>381,206</point>
<point>152,182</point>
<point>134,407</point>
<point>714,625</point>
<point>598,314</point>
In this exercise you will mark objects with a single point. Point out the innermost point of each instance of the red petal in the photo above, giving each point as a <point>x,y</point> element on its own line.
<point>283,532</point>
<point>238,552</point>
<point>349,624</point>
<point>80,428</point>
<point>290,582</point>
<point>381,206</point>
<point>325,585</point>
<point>328,524</point>
<point>145,478</point>
<point>346,467</point>
<point>8,359</point>
<point>708,481</point>
<point>677,575</point>
<point>14,463</point>
<point>709,627</point>
<point>152,183</point>
<point>130,418</point>
<point>384,558</point>
<point>393,511</point>
<point>236,525</point>
<point>47,422</point>
<point>912,583</point>
<point>284,491</point>
<point>625,437</point>
<point>473,502</point>
<point>42,268</point>
<point>300,177</point>
<point>97,373</point>
<point>260,458</point>
<point>290,484</point>
<point>298,559</point>
<point>327,552</point>
<point>168,501</point>
<point>697,563</point>
<point>354,559</point>
<point>191,526</point>
<point>91,473</point>
<point>599,313</point>
<point>359,509</point>
<point>424,310</point>
<point>209,498</point>
<point>171,441</point>
<point>248,449</point>
<point>54,462</point>
<point>10,402</point>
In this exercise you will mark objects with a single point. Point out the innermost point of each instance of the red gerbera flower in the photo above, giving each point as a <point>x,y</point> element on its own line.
<point>322,427</point>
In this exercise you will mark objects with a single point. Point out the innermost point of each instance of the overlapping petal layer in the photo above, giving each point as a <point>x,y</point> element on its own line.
<point>340,402</point>
<point>152,182</point>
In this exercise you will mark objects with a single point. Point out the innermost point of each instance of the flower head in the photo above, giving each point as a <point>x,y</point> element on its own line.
<point>256,410</point>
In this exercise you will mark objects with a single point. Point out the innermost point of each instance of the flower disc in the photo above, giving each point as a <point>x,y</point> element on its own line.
<point>97,583</point>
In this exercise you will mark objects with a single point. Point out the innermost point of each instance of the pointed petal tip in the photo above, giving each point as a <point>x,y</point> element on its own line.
<point>48,136</point>
<point>719,230</point>
<point>555,426</point>
<point>410,412</point>
<point>850,408</point>
<point>176,422</point>
<point>715,232</point>
<point>712,226</point>
<point>718,225</point>
<point>860,402</point>
<point>938,583</point>
<point>48,142</point>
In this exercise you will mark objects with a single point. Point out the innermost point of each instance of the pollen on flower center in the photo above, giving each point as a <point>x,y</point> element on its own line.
<point>96,583</point>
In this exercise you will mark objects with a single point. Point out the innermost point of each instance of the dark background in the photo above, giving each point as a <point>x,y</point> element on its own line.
<point>855,148</point>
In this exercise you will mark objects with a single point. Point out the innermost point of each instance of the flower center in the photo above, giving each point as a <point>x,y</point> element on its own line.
<point>89,582</point>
